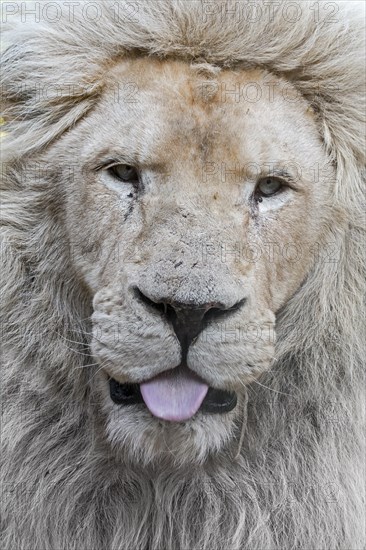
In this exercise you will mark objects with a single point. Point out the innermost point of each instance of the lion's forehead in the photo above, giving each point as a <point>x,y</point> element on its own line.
<point>164,107</point>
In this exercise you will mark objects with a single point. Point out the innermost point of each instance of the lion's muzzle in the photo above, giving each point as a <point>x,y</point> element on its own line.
<point>177,394</point>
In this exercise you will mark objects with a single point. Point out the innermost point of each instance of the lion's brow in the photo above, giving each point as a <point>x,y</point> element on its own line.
<point>280,172</point>
<point>283,174</point>
<point>109,156</point>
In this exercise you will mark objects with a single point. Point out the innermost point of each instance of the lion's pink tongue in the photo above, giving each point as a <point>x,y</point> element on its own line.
<point>174,395</point>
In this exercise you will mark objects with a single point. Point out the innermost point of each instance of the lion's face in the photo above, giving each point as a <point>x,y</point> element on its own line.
<point>194,214</point>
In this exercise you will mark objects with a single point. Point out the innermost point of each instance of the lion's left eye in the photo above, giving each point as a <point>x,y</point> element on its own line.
<point>267,187</point>
<point>124,172</point>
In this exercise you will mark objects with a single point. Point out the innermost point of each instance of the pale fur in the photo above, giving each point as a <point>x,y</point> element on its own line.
<point>298,480</point>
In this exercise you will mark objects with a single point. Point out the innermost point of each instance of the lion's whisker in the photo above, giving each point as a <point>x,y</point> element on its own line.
<point>243,425</point>
<point>72,341</point>
<point>98,371</point>
<point>271,389</point>
<point>90,365</point>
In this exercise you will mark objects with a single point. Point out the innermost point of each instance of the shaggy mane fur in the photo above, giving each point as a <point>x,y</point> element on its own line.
<point>298,481</point>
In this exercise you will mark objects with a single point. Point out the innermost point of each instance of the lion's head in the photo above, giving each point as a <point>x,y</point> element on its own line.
<point>194,214</point>
<point>182,241</point>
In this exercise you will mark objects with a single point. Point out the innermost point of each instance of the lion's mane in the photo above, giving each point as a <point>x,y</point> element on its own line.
<point>298,480</point>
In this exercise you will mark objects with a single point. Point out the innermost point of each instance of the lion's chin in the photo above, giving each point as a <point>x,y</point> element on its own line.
<point>134,434</point>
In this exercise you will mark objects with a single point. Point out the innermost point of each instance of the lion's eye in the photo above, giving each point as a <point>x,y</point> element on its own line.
<point>267,187</point>
<point>124,172</point>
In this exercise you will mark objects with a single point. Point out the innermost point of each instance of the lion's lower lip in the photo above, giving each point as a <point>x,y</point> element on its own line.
<point>219,401</point>
<point>216,401</point>
<point>124,394</point>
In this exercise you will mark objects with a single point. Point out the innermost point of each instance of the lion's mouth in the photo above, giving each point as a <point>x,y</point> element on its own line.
<point>174,395</point>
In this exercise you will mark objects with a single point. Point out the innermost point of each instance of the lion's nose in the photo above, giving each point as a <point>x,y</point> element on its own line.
<point>188,320</point>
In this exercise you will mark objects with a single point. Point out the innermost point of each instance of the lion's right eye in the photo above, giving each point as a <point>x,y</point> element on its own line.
<point>267,187</point>
<point>124,172</point>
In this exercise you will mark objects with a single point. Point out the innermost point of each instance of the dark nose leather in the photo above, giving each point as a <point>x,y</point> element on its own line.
<point>188,320</point>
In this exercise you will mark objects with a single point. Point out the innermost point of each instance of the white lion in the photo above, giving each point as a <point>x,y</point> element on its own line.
<point>183,277</point>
